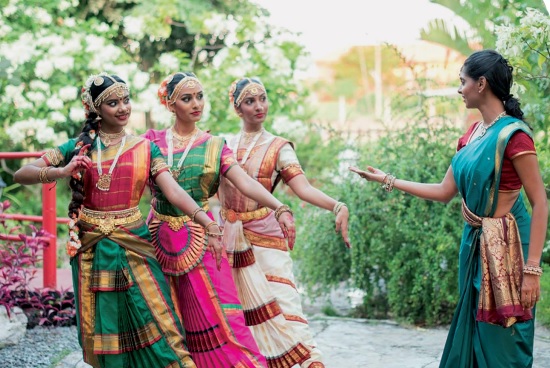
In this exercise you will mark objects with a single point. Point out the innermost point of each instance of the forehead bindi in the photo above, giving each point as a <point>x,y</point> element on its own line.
<point>113,97</point>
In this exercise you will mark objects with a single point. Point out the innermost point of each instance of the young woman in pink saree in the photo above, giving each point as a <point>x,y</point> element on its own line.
<point>262,267</point>
<point>201,281</point>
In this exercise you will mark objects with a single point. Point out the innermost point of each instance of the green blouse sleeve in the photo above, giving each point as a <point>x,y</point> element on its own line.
<point>59,156</point>
<point>158,163</point>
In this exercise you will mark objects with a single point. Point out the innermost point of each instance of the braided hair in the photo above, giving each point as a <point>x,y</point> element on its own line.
<point>93,93</point>
<point>498,72</point>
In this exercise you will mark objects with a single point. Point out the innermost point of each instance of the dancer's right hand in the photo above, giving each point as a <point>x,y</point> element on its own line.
<point>78,163</point>
<point>286,222</point>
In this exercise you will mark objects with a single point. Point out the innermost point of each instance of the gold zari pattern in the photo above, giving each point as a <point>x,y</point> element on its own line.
<point>175,222</point>
<point>53,157</point>
<point>232,216</point>
<point>107,221</point>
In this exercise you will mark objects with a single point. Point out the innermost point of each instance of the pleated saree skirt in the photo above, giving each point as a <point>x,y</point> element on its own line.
<point>205,298</point>
<point>125,314</point>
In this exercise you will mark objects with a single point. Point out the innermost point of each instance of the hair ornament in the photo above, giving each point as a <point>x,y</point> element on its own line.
<point>119,88</point>
<point>254,88</point>
<point>166,98</point>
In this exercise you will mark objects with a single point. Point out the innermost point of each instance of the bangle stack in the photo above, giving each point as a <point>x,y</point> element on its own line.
<point>208,233</point>
<point>337,207</point>
<point>282,209</point>
<point>195,212</point>
<point>43,175</point>
<point>532,270</point>
<point>388,182</point>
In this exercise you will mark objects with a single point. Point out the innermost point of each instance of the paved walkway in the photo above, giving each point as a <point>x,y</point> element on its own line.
<point>354,343</point>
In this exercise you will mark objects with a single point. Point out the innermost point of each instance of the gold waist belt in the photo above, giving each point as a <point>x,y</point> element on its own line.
<point>175,222</point>
<point>233,216</point>
<point>107,221</point>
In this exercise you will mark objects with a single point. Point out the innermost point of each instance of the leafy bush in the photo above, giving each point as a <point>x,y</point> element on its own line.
<point>405,250</point>
<point>18,262</point>
<point>543,306</point>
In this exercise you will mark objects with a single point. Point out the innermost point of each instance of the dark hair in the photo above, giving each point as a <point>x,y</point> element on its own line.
<point>498,72</point>
<point>84,138</point>
<point>237,88</point>
<point>176,79</point>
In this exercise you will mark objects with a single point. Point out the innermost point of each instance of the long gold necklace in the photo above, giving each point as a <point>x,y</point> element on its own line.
<point>107,138</point>
<point>254,136</point>
<point>484,127</point>
<point>104,181</point>
<point>170,143</point>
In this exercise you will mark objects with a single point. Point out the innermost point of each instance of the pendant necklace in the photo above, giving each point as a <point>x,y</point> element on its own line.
<point>170,143</point>
<point>484,128</point>
<point>250,146</point>
<point>104,181</point>
<point>108,137</point>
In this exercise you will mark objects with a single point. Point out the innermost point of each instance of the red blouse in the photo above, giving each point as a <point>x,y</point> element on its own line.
<point>519,144</point>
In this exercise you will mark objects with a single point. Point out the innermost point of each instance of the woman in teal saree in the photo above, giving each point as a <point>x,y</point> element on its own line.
<point>500,252</point>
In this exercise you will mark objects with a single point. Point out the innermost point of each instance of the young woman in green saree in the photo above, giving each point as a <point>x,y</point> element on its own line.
<point>500,252</point>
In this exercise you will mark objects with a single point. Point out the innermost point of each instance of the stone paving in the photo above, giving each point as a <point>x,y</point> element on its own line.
<point>361,343</point>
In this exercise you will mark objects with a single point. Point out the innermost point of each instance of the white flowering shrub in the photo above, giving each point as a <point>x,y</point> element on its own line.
<point>526,46</point>
<point>45,56</point>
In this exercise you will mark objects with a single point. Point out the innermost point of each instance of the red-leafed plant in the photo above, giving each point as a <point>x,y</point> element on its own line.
<point>18,267</point>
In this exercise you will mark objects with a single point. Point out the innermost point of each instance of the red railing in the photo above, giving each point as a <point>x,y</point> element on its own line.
<point>48,219</point>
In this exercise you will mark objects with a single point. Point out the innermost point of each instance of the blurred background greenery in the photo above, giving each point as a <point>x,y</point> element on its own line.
<point>388,105</point>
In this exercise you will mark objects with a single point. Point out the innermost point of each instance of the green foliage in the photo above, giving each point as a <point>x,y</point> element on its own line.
<point>405,250</point>
<point>543,306</point>
<point>481,30</point>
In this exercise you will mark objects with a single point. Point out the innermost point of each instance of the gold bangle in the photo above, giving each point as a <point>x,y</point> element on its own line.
<point>282,209</point>
<point>210,224</point>
<point>195,212</point>
<point>337,207</point>
<point>43,175</point>
<point>532,270</point>
<point>216,235</point>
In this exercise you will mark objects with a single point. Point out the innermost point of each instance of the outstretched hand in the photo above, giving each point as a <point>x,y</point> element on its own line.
<point>286,222</point>
<point>371,174</point>
<point>342,224</point>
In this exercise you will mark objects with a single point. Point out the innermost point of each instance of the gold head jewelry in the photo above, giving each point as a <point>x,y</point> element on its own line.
<point>118,88</point>
<point>252,88</point>
<point>187,81</point>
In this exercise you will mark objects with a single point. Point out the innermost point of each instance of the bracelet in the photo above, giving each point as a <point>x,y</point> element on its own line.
<point>43,175</point>
<point>532,270</point>
<point>337,207</point>
<point>216,235</point>
<point>282,209</point>
<point>388,182</point>
<point>210,224</point>
<point>197,210</point>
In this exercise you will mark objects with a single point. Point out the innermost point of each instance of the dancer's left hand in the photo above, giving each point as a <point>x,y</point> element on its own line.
<point>530,290</point>
<point>286,221</point>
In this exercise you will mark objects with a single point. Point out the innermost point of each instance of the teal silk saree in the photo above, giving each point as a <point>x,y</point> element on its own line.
<point>470,343</point>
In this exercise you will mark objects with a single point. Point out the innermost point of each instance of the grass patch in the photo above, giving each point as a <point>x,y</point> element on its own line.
<point>543,306</point>
<point>59,357</point>
<point>328,310</point>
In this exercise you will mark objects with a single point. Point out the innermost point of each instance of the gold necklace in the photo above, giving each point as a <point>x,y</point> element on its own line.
<point>104,180</point>
<point>248,136</point>
<point>485,127</point>
<point>107,138</point>
<point>180,140</point>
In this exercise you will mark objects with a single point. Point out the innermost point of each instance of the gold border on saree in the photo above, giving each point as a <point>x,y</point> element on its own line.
<point>175,222</point>
<point>232,216</point>
<point>107,221</point>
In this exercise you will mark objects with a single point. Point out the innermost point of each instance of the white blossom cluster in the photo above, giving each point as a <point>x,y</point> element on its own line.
<point>43,58</point>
